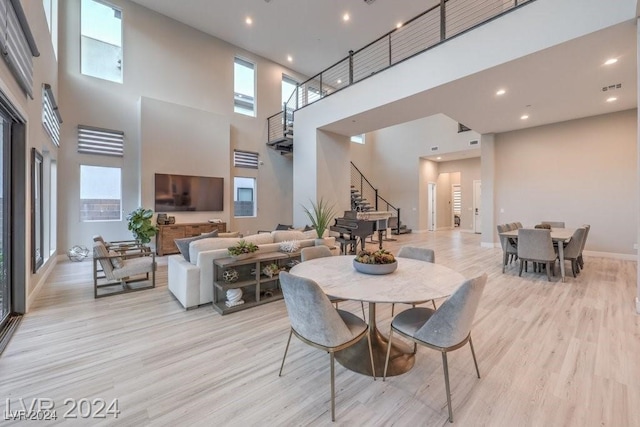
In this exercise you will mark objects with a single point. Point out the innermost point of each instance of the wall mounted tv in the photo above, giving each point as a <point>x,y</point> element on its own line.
<point>175,193</point>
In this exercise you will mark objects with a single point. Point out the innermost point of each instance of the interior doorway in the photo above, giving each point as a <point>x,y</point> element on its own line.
<point>477,206</point>
<point>431,208</point>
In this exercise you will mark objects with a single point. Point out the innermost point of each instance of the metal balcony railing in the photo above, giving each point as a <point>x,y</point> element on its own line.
<point>440,23</point>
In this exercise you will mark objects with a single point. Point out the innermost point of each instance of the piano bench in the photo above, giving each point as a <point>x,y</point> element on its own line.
<point>347,246</point>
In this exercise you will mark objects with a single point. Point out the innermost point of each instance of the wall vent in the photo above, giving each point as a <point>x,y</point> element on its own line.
<point>435,148</point>
<point>474,142</point>
<point>611,87</point>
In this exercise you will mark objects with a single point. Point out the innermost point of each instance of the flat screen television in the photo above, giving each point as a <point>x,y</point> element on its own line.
<point>176,193</point>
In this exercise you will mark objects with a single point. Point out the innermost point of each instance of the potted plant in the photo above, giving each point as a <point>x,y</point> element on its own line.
<point>378,262</point>
<point>242,249</point>
<point>140,225</point>
<point>320,215</point>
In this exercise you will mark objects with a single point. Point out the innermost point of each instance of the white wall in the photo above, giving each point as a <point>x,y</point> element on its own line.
<point>581,172</point>
<point>184,141</point>
<point>170,62</point>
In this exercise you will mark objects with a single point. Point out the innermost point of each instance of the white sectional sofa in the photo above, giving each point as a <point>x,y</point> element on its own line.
<point>191,282</point>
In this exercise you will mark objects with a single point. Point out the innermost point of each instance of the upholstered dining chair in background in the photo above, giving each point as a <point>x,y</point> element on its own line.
<point>445,329</point>
<point>509,248</point>
<point>323,251</point>
<point>314,320</point>
<point>420,254</point>
<point>587,227</point>
<point>574,248</point>
<point>554,224</point>
<point>535,244</point>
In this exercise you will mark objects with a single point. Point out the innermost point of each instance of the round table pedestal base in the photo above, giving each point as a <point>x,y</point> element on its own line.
<point>356,357</point>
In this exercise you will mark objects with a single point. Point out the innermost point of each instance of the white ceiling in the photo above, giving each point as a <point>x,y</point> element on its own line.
<point>312,32</point>
<point>560,83</point>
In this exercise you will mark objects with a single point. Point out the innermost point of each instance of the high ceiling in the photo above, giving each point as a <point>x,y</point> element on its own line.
<point>312,32</point>
<point>560,83</point>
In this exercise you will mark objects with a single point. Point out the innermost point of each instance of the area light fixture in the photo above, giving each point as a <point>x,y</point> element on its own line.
<point>610,61</point>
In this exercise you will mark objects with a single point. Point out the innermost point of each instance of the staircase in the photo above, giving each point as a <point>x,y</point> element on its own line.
<point>365,198</point>
<point>280,131</point>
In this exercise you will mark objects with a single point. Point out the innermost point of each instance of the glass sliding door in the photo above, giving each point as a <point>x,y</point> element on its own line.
<point>5,200</point>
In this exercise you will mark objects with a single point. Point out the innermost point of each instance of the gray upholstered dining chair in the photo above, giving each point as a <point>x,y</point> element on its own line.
<point>554,224</point>
<point>574,248</point>
<point>314,320</point>
<point>535,244</point>
<point>509,248</point>
<point>420,254</point>
<point>445,329</point>
<point>587,228</point>
<point>323,251</point>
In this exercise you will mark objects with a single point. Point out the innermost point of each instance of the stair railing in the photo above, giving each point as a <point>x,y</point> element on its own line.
<point>369,192</point>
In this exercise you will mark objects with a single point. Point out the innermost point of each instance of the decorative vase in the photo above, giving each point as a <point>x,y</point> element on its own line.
<point>320,242</point>
<point>375,268</point>
<point>241,256</point>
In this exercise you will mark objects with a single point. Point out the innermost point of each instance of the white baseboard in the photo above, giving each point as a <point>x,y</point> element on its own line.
<point>628,257</point>
<point>488,245</point>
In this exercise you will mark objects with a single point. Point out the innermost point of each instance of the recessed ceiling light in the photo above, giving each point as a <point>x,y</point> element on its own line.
<point>346,17</point>
<point>611,61</point>
<point>612,99</point>
<point>438,158</point>
<point>339,81</point>
<point>248,20</point>
<point>524,117</point>
<point>289,58</point>
<point>399,24</point>
<point>501,92</point>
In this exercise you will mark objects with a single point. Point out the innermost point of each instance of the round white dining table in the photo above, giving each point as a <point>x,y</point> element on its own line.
<point>413,281</point>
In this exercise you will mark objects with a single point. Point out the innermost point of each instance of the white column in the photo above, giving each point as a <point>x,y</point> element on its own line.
<point>487,174</point>
<point>638,162</point>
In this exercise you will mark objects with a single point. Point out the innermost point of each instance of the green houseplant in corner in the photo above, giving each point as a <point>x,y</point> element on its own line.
<point>320,215</point>
<point>139,223</point>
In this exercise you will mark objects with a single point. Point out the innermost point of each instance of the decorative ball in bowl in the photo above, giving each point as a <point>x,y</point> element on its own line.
<point>378,262</point>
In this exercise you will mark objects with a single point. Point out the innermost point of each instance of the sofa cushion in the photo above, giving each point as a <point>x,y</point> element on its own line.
<point>183,244</point>
<point>284,227</point>
<point>280,236</point>
<point>259,239</point>
<point>229,234</point>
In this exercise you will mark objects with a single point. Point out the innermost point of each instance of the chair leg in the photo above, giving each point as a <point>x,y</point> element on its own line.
<point>473,353</point>
<point>446,384</point>
<point>521,265</point>
<point>333,389</point>
<point>548,271</point>
<point>362,306</point>
<point>434,304</point>
<point>386,362</point>
<point>505,257</point>
<point>393,306</point>
<point>285,352</point>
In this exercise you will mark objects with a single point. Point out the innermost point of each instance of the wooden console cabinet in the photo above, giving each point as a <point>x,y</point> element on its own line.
<point>165,244</point>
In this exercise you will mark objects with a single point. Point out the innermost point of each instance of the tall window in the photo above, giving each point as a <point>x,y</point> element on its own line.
<point>244,87</point>
<point>244,197</point>
<point>100,193</point>
<point>358,139</point>
<point>101,40</point>
<point>51,13</point>
<point>288,86</point>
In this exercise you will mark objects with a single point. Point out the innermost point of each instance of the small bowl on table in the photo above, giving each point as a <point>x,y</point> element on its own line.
<point>375,268</point>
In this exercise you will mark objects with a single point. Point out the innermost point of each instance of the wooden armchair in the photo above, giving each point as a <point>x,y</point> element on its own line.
<point>122,272</point>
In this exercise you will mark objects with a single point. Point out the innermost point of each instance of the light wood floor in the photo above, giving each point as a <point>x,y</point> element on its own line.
<point>550,354</point>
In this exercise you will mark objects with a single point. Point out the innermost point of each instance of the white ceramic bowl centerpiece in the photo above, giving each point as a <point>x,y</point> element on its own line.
<point>378,262</point>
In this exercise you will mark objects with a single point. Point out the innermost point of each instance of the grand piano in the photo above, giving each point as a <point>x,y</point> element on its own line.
<point>354,227</point>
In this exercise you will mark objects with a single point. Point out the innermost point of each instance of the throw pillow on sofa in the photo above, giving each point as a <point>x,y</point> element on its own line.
<point>183,244</point>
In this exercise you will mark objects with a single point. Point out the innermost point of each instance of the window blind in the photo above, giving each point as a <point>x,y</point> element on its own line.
<point>51,119</point>
<point>92,140</point>
<point>18,44</point>
<point>245,159</point>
